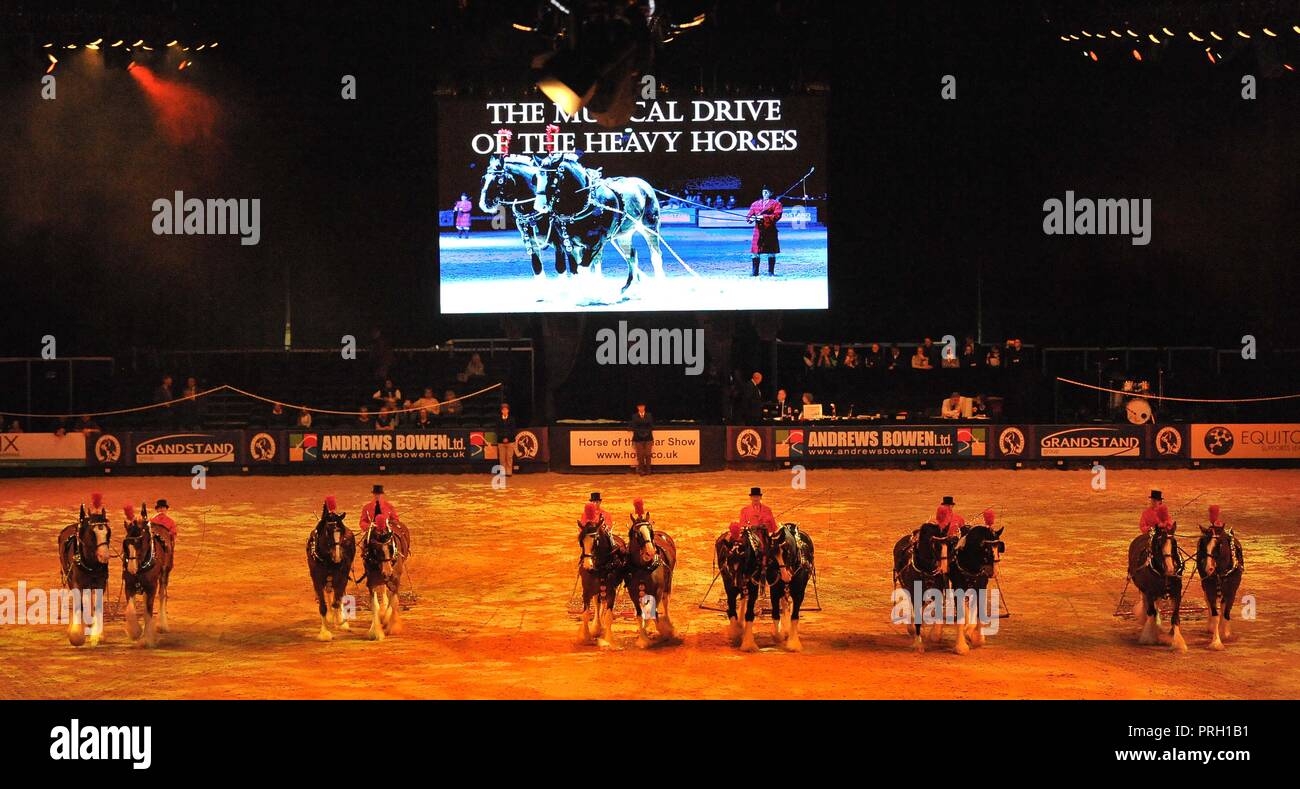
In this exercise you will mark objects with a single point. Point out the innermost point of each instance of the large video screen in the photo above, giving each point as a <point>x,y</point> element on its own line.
<point>695,204</point>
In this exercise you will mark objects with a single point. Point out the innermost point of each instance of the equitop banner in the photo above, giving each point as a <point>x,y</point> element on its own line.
<point>1245,442</point>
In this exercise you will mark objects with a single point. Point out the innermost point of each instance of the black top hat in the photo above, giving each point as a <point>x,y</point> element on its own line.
<point>595,496</point>
<point>161,503</point>
<point>377,489</point>
<point>1155,494</point>
<point>948,500</point>
<point>756,491</point>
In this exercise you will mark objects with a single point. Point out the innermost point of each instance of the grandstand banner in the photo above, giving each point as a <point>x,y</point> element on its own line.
<point>880,442</point>
<point>192,447</point>
<point>1245,442</point>
<point>749,443</point>
<point>1094,442</point>
<point>42,450</point>
<point>613,447</point>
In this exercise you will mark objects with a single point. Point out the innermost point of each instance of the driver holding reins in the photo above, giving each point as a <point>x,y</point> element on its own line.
<point>379,506</point>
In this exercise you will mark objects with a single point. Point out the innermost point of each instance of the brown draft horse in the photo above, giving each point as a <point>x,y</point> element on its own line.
<point>83,558</point>
<point>147,559</point>
<point>601,569</point>
<point>652,557</point>
<point>739,555</point>
<point>1220,563</point>
<point>383,554</point>
<point>921,562</point>
<point>1156,568</point>
<point>331,548</point>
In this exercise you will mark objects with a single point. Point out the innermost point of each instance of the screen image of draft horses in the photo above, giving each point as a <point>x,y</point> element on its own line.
<point>456,590</point>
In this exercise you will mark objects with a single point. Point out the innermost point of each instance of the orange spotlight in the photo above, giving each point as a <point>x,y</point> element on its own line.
<point>53,62</point>
<point>1137,56</point>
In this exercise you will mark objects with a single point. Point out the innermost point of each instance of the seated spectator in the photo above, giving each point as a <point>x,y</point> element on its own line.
<point>304,417</point>
<point>894,359</point>
<point>994,357</point>
<point>450,405</point>
<point>387,391</point>
<point>932,353</point>
<point>363,419</point>
<point>731,201</point>
<point>809,358</point>
<point>827,359</point>
<point>951,408</point>
<point>474,369</point>
<point>970,353</point>
<point>809,399</point>
<point>978,408</point>
<point>1015,353</point>
<point>87,425</point>
<point>851,359</point>
<point>427,402</point>
<point>921,359</point>
<point>783,408</point>
<point>386,419</point>
<point>277,418</point>
<point>873,358</point>
<point>423,420</point>
<point>61,428</point>
<point>15,427</point>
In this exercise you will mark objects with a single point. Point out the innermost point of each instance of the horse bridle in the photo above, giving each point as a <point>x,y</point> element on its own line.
<point>789,534</point>
<point>602,571</point>
<point>146,535</point>
<point>79,556</point>
<point>328,526</point>
<point>986,568</point>
<point>746,542</point>
<point>636,528</point>
<point>911,558</point>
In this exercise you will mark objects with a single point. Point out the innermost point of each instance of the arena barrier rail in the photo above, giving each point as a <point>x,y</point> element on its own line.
<point>597,447</point>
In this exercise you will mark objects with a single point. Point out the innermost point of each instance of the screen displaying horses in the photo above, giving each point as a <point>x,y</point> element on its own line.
<point>694,204</point>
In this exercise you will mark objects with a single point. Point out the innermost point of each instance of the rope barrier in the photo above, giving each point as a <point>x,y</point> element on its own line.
<point>237,390</point>
<point>1146,396</point>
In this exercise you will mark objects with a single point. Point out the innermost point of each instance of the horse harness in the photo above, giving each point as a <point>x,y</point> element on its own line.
<point>78,556</point>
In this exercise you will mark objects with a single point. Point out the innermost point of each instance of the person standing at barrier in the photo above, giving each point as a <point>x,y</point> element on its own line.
<point>643,438</point>
<point>506,440</point>
<point>463,209</point>
<point>763,214</point>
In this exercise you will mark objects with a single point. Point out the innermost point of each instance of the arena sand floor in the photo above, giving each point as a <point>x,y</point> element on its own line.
<point>493,571</point>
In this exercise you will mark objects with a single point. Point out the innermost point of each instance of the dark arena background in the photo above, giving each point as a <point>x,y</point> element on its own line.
<point>967,340</point>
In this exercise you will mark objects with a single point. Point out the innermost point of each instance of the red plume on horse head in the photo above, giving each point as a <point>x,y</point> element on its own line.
<point>1215,514</point>
<point>503,141</point>
<point>128,509</point>
<point>381,522</point>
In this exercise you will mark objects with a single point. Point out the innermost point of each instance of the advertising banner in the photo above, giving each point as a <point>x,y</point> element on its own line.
<point>911,441</point>
<point>42,449</point>
<point>1094,442</point>
<point>749,443</point>
<point>1245,442</point>
<point>217,446</point>
<point>614,448</point>
<point>433,446</point>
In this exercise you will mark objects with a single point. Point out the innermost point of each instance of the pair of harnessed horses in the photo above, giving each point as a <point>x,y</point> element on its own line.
<point>937,564</point>
<point>148,555</point>
<point>1156,568</point>
<point>643,563</point>
<point>558,202</point>
<point>331,548</point>
<point>783,562</point>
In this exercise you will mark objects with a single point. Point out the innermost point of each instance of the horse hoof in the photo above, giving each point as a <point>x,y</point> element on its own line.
<point>793,645</point>
<point>642,642</point>
<point>375,634</point>
<point>345,627</point>
<point>324,635</point>
<point>961,648</point>
<point>1216,645</point>
<point>918,646</point>
<point>76,638</point>
<point>603,644</point>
